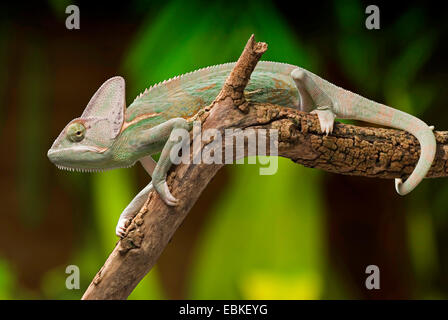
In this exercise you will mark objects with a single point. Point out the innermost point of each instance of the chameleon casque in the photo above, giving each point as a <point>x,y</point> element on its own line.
<point>108,135</point>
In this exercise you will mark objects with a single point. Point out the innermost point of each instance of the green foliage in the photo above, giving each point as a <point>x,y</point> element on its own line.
<point>422,242</point>
<point>400,85</point>
<point>263,241</point>
<point>112,191</point>
<point>357,49</point>
<point>7,281</point>
<point>31,141</point>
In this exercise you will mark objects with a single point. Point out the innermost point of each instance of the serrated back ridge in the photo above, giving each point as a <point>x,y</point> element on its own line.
<point>213,67</point>
<point>164,82</point>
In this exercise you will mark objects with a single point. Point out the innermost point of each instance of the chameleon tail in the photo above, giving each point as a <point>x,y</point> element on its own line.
<point>373,112</point>
<point>427,141</point>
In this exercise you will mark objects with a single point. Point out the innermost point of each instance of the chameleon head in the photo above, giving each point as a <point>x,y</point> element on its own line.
<point>85,143</point>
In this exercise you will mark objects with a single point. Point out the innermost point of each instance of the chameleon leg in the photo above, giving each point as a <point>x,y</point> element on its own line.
<point>311,96</point>
<point>306,102</point>
<point>132,209</point>
<point>164,163</point>
<point>150,141</point>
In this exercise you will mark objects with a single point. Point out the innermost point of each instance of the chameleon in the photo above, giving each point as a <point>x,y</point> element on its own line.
<point>108,135</point>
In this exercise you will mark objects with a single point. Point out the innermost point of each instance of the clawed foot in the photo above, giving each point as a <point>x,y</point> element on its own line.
<point>122,225</point>
<point>326,120</point>
<point>164,192</point>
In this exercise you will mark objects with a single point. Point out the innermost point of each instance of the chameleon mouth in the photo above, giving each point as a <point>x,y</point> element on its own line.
<point>73,169</point>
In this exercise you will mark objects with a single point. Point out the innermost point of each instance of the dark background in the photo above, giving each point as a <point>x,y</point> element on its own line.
<point>300,234</point>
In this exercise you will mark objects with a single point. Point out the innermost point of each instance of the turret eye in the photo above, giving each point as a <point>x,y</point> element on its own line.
<point>76,132</point>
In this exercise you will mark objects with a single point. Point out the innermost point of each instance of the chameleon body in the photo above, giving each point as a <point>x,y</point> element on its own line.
<point>108,135</point>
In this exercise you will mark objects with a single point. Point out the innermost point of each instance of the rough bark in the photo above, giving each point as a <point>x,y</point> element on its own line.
<point>353,150</point>
<point>373,152</point>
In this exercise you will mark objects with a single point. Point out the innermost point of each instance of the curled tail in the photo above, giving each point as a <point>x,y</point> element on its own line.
<point>369,111</point>
<point>425,137</point>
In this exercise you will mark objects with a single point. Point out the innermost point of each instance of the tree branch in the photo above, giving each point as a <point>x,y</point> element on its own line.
<point>372,152</point>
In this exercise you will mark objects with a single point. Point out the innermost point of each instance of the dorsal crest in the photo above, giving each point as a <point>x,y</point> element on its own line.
<point>186,76</point>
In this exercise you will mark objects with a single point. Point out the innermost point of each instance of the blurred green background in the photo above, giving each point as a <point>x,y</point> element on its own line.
<point>299,234</point>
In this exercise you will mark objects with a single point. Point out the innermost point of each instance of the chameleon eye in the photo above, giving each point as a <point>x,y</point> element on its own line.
<point>76,132</point>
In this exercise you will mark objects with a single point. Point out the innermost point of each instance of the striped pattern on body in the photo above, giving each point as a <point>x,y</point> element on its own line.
<point>184,95</point>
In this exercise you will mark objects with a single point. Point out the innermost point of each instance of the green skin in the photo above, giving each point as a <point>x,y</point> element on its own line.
<point>108,136</point>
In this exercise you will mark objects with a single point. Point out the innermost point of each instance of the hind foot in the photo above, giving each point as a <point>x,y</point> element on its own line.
<point>326,120</point>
